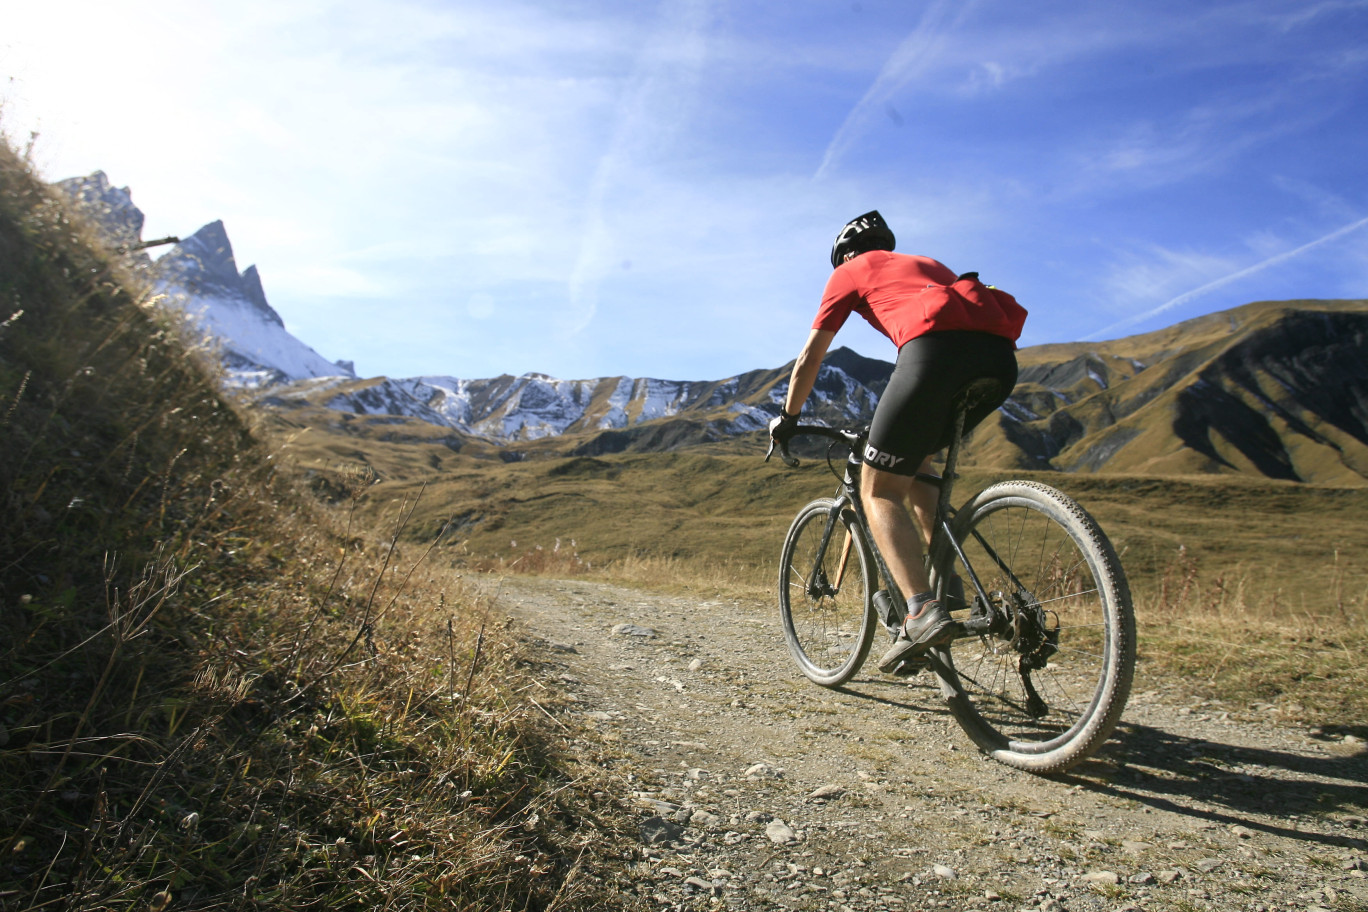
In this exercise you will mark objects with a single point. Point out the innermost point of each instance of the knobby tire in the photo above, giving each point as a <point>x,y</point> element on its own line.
<point>1044,559</point>
<point>828,627</point>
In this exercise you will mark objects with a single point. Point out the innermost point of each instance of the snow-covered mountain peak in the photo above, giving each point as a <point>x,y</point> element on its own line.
<point>203,266</point>
<point>251,287</point>
<point>199,275</point>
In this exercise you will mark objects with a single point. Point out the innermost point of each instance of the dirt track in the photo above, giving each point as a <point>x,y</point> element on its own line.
<point>722,745</point>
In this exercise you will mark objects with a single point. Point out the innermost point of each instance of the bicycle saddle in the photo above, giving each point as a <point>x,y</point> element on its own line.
<point>978,391</point>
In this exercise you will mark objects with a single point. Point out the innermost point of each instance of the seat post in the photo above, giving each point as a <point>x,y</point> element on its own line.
<point>951,458</point>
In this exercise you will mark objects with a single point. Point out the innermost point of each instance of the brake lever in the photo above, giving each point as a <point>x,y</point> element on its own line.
<point>788,459</point>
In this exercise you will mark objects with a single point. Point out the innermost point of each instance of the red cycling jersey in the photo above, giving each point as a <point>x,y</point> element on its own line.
<point>905,296</point>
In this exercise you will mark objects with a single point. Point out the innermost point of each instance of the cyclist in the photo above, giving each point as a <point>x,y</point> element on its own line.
<point>949,330</point>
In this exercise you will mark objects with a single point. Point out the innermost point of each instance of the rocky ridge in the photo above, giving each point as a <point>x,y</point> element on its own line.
<point>199,277</point>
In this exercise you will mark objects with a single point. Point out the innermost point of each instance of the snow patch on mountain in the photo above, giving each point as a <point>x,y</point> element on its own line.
<point>748,418</point>
<point>199,277</point>
<point>616,414</point>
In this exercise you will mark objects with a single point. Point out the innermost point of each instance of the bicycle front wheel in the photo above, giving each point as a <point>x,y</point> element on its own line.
<point>826,603</point>
<point>1044,688</point>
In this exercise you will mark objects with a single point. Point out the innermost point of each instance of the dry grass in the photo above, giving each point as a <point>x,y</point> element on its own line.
<point>1243,636</point>
<point>560,559</point>
<point>1249,637</point>
<point>209,695</point>
<point>736,578</point>
<point>1247,591</point>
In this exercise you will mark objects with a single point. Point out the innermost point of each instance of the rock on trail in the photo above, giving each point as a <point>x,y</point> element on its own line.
<point>757,790</point>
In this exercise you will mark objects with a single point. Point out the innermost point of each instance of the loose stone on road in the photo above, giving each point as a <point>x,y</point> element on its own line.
<point>757,790</point>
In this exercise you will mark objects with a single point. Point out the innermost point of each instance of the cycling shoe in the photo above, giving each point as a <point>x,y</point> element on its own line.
<point>931,627</point>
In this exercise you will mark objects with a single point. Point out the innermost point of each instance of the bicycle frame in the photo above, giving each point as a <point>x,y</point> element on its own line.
<point>985,616</point>
<point>1061,610</point>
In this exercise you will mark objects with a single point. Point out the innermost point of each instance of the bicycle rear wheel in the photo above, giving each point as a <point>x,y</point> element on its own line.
<point>826,603</point>
<point>1043,691</point>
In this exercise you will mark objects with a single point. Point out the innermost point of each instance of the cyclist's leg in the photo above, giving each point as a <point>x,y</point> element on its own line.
<point>911,422</point>
<point>923,499</point>
<point>899,539</point>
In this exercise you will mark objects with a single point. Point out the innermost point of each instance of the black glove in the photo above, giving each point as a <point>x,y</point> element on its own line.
<point>782,429</point>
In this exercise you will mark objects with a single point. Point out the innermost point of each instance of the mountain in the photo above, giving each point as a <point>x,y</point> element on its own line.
<point>601,415</point>
<point>110,208</point>
<point>1275,389</point>
<point>199,276</point>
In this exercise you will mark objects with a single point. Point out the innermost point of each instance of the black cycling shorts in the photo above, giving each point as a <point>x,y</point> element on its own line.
<point>915,414</point>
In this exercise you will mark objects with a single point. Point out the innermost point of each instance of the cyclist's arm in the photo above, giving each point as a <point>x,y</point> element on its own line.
<point>805,369</point>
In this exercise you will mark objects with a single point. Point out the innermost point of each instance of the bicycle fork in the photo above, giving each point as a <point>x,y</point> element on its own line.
<point>818,585</point>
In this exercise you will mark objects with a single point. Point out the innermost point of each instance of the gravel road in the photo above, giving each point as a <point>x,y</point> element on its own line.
<point>757,790</point>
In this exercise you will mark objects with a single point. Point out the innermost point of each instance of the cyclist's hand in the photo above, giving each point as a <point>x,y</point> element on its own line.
<point>781,431</point>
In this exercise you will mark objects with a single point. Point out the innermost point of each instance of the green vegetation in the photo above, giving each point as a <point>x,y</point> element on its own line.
<point>209,695</point>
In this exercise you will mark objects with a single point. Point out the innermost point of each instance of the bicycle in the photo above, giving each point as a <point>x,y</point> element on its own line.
<point>1048,608</point>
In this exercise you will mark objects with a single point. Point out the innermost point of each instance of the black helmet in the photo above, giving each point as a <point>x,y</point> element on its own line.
<point>868,232</point>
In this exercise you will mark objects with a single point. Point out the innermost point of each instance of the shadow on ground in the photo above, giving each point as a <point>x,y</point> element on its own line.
<point>1229,784</point>
<point>1262,789</point>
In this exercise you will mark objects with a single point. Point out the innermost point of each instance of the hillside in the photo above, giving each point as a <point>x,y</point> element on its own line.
<point>210,696</point>
<point>1273,389</point>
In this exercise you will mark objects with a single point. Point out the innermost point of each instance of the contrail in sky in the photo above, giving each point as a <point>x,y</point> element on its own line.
<point>1226,280</point>
<point>916,54</point>
<point>667,69</point>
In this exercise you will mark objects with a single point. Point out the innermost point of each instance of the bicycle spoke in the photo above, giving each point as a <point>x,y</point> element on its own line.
<point>1075,651</point>
<point>1060,598</point>
<point>1056,601</point>
<point>824,599</point>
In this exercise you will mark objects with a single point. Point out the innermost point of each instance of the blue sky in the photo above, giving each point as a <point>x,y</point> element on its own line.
<point>598,187</point>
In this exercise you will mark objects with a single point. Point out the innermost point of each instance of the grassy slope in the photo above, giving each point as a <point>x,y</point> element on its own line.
<point>1180,355</point>
<point>714,505</point>
<point>207,696</point>
<point>1221,565</point>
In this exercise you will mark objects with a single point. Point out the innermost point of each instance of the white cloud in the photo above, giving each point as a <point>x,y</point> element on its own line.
<point>504,176</point>
<point>1157,274</point>
<point>918,53</point>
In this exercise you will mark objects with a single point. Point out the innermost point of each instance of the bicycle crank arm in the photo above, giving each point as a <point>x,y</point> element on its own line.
<point>972,627</point>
